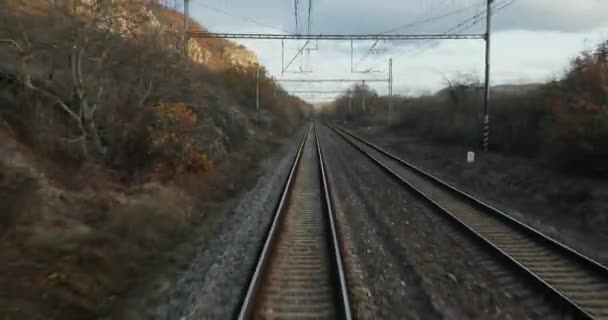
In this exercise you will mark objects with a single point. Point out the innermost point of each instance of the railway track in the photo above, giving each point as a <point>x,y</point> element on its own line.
<point>299,273</point>
<point>575,283</point>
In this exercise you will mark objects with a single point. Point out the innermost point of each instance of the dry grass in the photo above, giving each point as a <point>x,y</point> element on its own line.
<point>68,252</point>
<point>76,242</point>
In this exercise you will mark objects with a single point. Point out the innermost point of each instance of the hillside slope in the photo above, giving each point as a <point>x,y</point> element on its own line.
<point>115,149</point>
<point>214,53</point>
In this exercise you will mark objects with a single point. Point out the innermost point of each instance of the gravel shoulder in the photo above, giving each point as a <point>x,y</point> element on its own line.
<point>413,263</point>
<point>214,283</point>
<point>568,208</point>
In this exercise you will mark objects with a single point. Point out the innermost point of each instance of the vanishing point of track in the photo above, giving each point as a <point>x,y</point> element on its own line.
<point>299,273</point>
<point>576,284</point>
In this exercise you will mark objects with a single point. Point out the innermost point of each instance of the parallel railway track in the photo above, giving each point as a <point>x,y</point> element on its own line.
<point>577,284</point>
<point>299,273</point>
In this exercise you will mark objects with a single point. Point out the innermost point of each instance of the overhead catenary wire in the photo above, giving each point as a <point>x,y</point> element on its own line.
<point>308,29</point>
<point>416,23</point>
<point>247,19</point>
<point>431,36</point>
<point>300,51</point>
<point>411,25</point>
<point>455,32</point>
<point>473,20</point>
<point>460,27</point>
<point>371,49</point>
<point>467,24</point>
<point>297,54</point>
<point>479,17</point>
<point>497,8</point>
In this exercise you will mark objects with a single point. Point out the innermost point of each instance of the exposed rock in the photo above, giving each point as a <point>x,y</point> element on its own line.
<point>126,21</point>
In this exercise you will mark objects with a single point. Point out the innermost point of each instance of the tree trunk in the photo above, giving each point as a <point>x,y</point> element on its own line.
<point>94,134</point>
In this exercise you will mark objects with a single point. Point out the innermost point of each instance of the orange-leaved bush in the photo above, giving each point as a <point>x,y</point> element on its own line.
<point>173,144</point>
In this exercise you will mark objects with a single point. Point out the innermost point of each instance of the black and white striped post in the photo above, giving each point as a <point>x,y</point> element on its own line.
<point>363,94</point>
<point>486,114</point>
<point>390,91</point>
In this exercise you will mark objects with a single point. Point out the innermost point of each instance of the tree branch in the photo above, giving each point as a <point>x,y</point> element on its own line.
<point>99,93</point>
<point>447,81</point>
<point>79,68</point>
<point>8,128</point>
<point>73,65</point>
<point>72,140</point>
<point>146,94</point>
<point>94,107</point>
<point>26,39</point>
<point>28,84</point>
<point>13,43</point>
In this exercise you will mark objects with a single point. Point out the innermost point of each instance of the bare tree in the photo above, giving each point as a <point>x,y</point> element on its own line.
<point>90,29</point>
<point>460,90</point>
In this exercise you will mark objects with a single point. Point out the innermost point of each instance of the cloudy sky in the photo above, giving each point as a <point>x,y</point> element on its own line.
<point>533,40</point>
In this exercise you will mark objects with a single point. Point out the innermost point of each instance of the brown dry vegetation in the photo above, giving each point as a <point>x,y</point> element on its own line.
<point>111,146</point>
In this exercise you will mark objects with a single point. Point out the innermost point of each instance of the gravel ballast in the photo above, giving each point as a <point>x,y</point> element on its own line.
<point>413,262</point>
<point>564,206</point>
<point>214,284</point>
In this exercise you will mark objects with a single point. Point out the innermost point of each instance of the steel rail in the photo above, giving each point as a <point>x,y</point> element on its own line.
<point>269,266</point>
<point>551,244</point>
<point>248,301</point>
<point>338,263</point>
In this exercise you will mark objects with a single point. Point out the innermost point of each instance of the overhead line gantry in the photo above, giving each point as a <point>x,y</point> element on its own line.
<point>278,36</point>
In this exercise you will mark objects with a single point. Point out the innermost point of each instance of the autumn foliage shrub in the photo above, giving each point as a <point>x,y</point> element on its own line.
<point>578,134</point>
<point>172,144</point>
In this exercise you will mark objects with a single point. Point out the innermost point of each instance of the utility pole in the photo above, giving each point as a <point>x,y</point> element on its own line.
<point>486,101</point>
<point>363,94</point>
<point>390,90</point>
<point>186,20</point>
<point>282,57</point>
<point>350,102</point>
